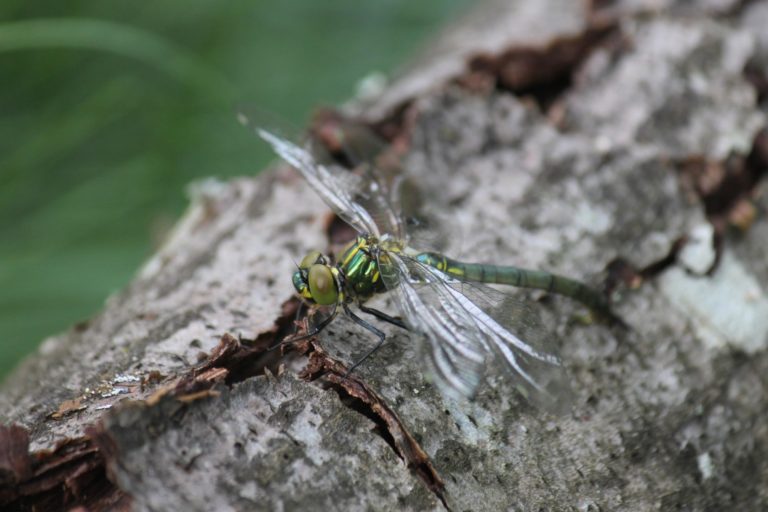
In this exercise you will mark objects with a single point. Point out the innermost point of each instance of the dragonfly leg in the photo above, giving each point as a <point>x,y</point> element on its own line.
<point>313,332</point>
<point>362,323</point>
<point>383,316</point>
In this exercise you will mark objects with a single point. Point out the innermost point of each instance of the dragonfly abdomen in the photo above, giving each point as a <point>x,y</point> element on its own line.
<point>518,277</point>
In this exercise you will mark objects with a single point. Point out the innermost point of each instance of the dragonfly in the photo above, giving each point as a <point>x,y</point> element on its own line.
<point>465,325</point>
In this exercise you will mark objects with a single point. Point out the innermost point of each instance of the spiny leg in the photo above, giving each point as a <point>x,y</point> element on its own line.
<point>362,323</point>
<point>314,332</point>
<point>383,316</point>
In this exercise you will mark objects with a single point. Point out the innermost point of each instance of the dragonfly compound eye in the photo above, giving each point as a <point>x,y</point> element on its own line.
<point>310,259</point>
<point>322,285</point>
<point>300,283</point>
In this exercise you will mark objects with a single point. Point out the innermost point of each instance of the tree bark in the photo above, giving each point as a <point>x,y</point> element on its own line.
<point>619,142</point>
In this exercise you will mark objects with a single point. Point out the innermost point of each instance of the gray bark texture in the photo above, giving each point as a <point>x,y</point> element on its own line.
<point>618,142</point>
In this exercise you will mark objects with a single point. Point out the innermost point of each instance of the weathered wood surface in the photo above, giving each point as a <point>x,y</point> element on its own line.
<point>552,134</point>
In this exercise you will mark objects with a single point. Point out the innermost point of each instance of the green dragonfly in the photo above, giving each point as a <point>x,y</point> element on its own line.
<point>467,325</point>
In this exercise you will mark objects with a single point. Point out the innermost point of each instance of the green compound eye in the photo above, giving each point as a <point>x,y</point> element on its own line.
<point>301,286</point>
<point>310,259</point>
<point>322,286</point>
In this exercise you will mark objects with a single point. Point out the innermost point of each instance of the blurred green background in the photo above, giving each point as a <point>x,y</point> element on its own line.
<point>108,109</point>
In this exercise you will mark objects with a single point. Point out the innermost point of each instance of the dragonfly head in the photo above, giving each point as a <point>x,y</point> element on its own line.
<point>315,280</point>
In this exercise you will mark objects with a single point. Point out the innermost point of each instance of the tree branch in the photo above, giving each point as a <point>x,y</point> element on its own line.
<point>591,141</point>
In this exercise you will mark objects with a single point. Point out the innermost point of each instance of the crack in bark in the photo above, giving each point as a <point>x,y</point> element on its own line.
<point>72,474</point>
<point>360,397</point>
<point>621,273</point>
<point>757,75</point>
<point>727,191</point>
<point>75,472</point>
<point>543,73</point>
<point>232,362</point>
<point>726,188</point>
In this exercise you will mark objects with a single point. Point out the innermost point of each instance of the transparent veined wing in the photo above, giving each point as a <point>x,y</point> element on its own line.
<point>457,353</point>
<point>376,166</point>
<point>470,326</point>
<point>361,200</point>
<point>363,150</point>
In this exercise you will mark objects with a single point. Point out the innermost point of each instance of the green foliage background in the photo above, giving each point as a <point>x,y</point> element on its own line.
<point>108,109</point>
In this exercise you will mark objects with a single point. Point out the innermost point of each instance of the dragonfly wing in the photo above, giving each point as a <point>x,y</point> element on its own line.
<point>337,192</point>
<point>360,200</point>
<point>456,352</point>
<point>518,342</point>
<point>375,197</point>
<point>469,325</point>
<point>370,155</point>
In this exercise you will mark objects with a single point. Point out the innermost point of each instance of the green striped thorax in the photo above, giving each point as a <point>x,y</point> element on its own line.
<point>355,275</point>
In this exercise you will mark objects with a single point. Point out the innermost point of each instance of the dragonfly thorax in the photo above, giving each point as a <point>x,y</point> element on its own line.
<point>358,264</point>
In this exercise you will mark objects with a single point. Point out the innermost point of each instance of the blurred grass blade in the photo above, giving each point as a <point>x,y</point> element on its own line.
<point>124,40</point>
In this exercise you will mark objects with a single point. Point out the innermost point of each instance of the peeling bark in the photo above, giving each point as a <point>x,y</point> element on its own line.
<point>622,142</point>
